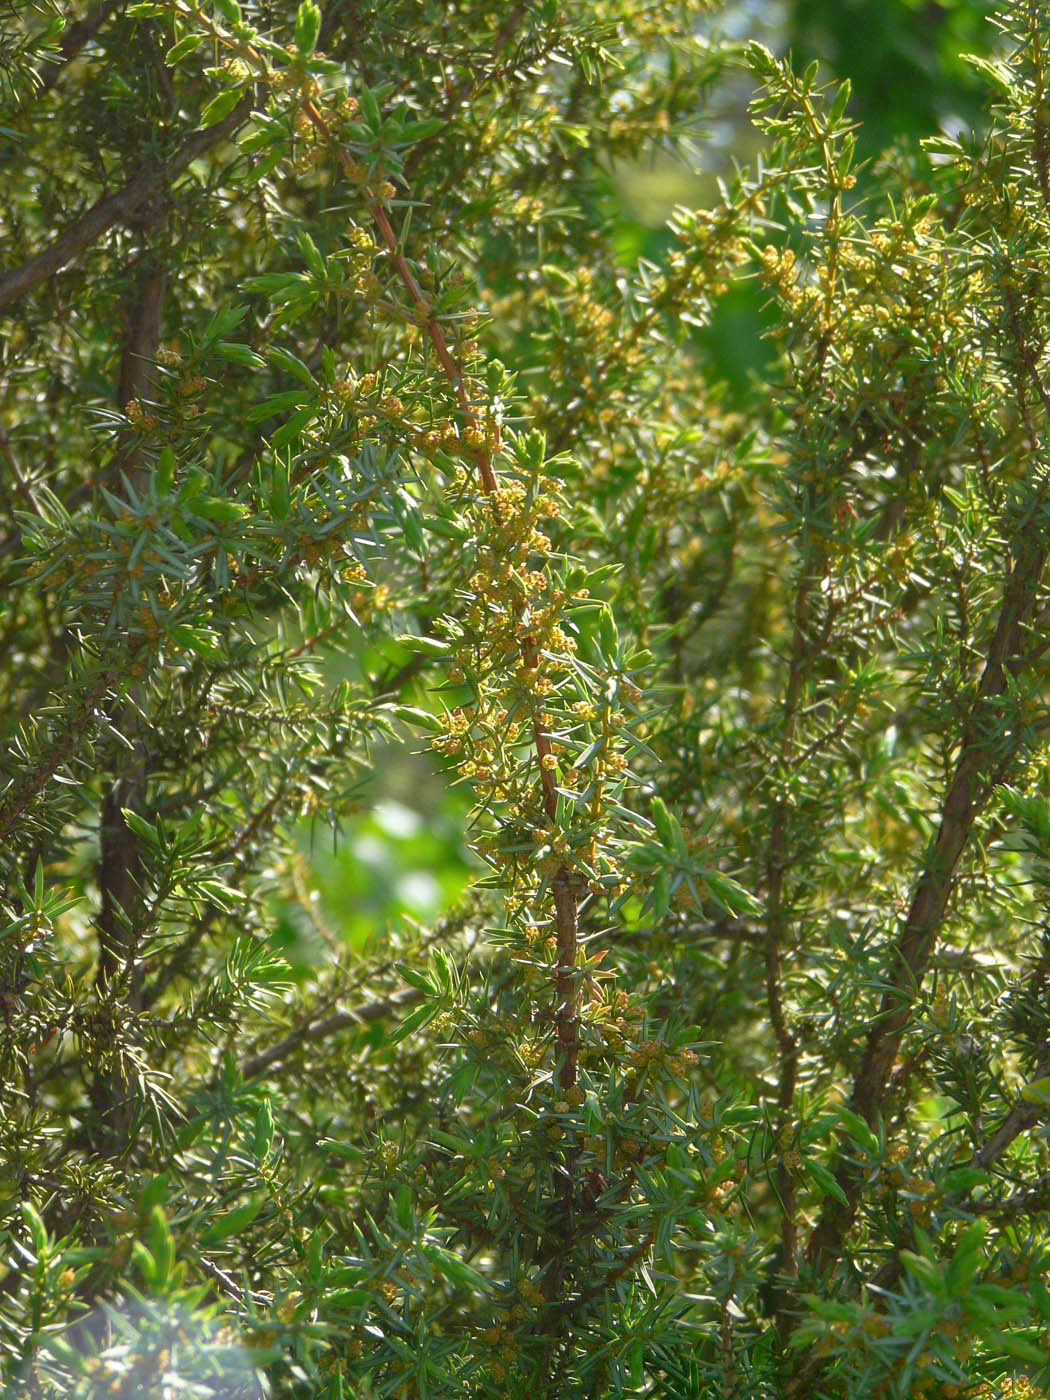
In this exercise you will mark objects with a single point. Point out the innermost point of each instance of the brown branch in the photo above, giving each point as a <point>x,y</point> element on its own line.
<point>121,922</point>
<point>321,1027</point>
<point>803,649</point>
<point>119,876</point>
<point>563,890</point>
<point>917,940</point>
<point>123,916</point>
<point>142,336</point>
<point>566,917</point>
<point>566,913</point>
<point>482,459</point>
<point>1021,1117</point>
<point>114,208</point>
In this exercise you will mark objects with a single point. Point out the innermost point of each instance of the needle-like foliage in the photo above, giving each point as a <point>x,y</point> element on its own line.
<point>332,418</point>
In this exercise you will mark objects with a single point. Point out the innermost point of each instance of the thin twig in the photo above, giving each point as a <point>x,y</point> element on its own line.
<point>222,1278</point>
<point>18,480</point>
<point>21,794</point>
<point>1021,1117</point>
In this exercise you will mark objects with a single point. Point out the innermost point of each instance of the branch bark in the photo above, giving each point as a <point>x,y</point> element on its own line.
<point>321,1027</point>
<point>566,912</point>
<point>776,928</point>
<point>121,868</point>
<point>966,794</point>
<point>82,233</point>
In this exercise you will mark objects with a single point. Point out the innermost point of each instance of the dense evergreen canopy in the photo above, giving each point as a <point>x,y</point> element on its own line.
<point>338,422</point>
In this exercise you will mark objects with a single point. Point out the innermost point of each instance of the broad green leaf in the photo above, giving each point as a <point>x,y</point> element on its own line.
<point>238,354</point>
<point>141,827</point>
<point>284,359</point>
<point>414,1021</point>
<point>161,1246</point>
<point>220,107</point>
<point>184,46</point>
<point>219,510</point>
<point>307,27</point>
<point>233,1221</point>
<point>263,1139</point>
<point>824,1180</point>
<point>966,1259</point>
<point>291,429</point>
<point>455,1269</point>
<point>429,646</point>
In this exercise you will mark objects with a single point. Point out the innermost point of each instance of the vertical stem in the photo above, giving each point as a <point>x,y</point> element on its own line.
<point>966,793</point>
<point>566,909</point>
<point>120,867</point>
<point>776,927</point>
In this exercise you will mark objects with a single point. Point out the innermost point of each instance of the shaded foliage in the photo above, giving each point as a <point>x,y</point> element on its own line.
<point>331,422</point>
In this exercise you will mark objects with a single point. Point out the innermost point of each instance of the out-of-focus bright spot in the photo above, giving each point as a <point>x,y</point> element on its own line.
<point>396,819</point>
<point>650,193</point>
<point>369,850</point>
<point>403,855</point>
<point>750,17</point>
<point>149,1349</point>
<point>419,891</point>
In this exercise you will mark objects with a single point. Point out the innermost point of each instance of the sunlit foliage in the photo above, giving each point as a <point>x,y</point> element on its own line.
<point>333,421</point>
